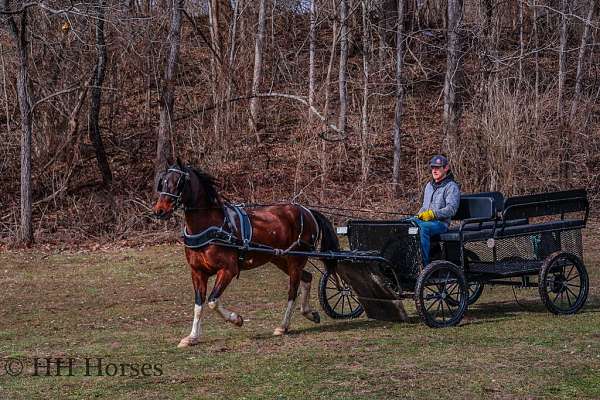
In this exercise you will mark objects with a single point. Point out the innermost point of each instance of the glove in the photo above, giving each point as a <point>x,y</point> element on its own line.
<point>427,215</point>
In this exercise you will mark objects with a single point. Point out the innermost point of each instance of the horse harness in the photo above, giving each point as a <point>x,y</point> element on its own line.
<point>239,235</point>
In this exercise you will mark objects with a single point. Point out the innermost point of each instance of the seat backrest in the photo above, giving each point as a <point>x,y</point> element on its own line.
<point>475,207</point>
<point>497,196</point>
<point>541,204</point>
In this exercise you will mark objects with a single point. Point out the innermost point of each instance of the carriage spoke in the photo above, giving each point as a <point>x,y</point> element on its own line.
<point>432,304</point>
<point>569,274</point>
<point>569,298</point>
<point>443,314</point>
<point>333,295</point>
<point>573,293</point>
<point>556,297</point>
<point>343,302</point>
<point>348,297</point>
<point>454,286</point>
<point>336,303</point>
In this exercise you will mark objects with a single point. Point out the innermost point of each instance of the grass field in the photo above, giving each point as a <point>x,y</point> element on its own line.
<point>132,306</point>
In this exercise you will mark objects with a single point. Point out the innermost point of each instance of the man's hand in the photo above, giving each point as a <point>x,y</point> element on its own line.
<point>428,215</point>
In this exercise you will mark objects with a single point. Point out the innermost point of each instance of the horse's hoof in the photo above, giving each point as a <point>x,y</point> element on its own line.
<point>312,316</point>
<point>239,321</point>
<point>188,341</point>
<point>316,318</point>
<point>279,331</point>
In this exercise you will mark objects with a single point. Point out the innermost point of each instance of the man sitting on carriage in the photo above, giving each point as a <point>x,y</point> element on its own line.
<point>441,198</point>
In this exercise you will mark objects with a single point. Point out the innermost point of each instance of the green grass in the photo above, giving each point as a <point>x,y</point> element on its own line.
<point>133,306</point>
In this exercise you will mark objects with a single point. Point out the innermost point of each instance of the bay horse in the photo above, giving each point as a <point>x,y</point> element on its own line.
<point>283,227</point>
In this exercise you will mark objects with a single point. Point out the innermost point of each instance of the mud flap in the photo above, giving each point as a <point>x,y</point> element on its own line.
<point>377,292</point>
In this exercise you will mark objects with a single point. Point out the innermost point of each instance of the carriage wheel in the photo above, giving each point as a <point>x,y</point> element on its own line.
<point>337,298</point>
<point>441,294</point>
<point>563,283</point>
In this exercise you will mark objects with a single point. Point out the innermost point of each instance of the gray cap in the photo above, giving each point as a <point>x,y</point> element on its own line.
<point>438,161</point>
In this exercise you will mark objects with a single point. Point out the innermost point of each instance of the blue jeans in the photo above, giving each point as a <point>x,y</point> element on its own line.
<point>426,231</point>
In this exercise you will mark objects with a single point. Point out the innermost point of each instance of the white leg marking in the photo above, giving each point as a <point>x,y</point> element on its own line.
<point>226,314</point>
<point>285,324</point>
<point>197,324</point>
<point>194,336</point>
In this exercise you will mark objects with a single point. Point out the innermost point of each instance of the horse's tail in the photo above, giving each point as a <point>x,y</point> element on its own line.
<point>329,239</point>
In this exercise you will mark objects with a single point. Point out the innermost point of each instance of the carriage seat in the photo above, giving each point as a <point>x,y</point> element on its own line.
<point>479,211</point>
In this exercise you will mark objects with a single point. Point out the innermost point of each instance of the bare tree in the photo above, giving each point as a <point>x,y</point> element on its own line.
<point>585,38</point>
<point>366,54</point>
<point>454,71</point>
<point>562,57</point>
<point>312,39</point>
<point>96,94</point>
<point>400,42</point>
<point>343,116</point>
<point>167,95</point>
<point>258,71</point>
<point>18,31</point>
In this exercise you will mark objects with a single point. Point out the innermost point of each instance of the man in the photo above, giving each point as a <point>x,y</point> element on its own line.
<point>440,202</point>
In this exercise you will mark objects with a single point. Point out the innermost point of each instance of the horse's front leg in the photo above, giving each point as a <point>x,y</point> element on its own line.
<point>199,280</point>
<point>224,277</point>
<point>294,274</point>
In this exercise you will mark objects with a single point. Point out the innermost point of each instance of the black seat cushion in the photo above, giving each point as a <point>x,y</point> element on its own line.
<point>515,230</point>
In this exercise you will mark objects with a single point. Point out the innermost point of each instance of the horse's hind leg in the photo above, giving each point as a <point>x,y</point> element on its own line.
<point>224,277</point>
<point>305,308</point>
<point>199,280</point>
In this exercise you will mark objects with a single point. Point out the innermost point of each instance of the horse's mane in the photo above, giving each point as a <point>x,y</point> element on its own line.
<point>209,183</point>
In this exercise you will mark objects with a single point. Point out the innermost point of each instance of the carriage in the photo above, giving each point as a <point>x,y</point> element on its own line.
<point>525,241</point>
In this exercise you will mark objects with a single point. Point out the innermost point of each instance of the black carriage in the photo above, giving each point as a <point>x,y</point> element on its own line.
<point>535,239</point>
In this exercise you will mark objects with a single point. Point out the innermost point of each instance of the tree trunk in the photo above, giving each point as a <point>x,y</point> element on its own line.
<point>343,117</point>
<point>366,51</point>
<point>324,156</point>
<point>454,79</point>
<point>96,102</point>
<point>564,142</point>
<point>585,38</point>
<point>255,109</point>
<point>536,40</point>
<point>230,65</point>
<point>19,35</point>
<point>521,44</point>
<point>167,97</point>
<point>400,42</point>
<point>312,38</point>
<point>562,58</point>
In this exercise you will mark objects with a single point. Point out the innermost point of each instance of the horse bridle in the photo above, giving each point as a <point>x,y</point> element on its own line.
<point>179,188</point>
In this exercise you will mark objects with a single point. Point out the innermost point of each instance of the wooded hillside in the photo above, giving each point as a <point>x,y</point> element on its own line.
<point>332,102</point>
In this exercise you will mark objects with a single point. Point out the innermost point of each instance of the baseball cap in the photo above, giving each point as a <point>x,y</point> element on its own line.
<point>438,161</point>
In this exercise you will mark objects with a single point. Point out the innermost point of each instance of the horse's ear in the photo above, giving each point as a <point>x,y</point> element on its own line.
<point>169,161</point>
<point>179,163</point>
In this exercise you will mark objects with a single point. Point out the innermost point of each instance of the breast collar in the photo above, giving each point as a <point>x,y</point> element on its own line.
<point>229,233</point>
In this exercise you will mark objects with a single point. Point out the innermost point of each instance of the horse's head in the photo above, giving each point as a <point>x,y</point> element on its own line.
<point>171,187</point>
<point>184,186</point>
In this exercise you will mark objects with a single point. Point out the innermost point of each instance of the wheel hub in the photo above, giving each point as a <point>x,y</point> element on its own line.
<point>559,284</point>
